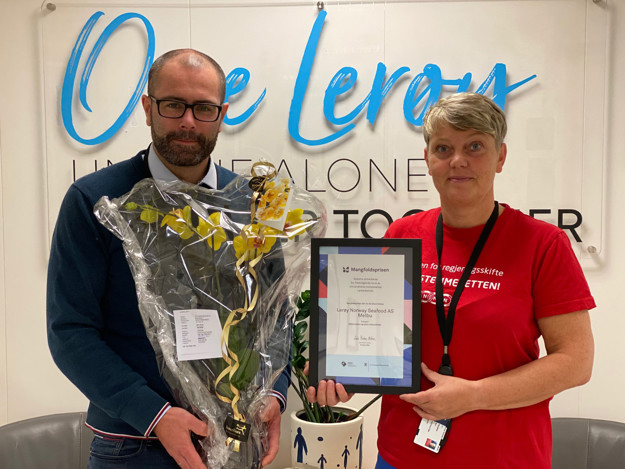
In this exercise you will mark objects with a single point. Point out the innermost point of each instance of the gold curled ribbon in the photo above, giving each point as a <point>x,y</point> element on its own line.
<point>229,356</point>
<point>237,443</point>
<point>257,184</point>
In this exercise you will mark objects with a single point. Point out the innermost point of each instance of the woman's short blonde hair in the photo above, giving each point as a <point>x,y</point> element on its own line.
<point>464,111</point>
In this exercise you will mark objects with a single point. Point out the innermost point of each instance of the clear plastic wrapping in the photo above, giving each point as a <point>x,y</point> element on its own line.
<point>242,253</point>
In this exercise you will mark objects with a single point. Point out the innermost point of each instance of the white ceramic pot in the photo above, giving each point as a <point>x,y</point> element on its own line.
<point>326,445</point>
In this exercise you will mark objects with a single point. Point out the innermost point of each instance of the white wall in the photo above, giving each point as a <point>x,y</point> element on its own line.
<point>3,363</point>
<point>602,397</point>
<point>34,385</point>
<point>31,385</point>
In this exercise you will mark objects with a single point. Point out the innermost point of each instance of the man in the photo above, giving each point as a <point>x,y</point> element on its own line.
<point>95,331</point>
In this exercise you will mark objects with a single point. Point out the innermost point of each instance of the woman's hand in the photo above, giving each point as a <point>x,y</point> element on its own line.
<point>449,398</point>
<point>568,363</point>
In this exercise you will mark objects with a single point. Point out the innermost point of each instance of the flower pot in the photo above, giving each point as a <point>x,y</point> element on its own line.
<point>326,445</point>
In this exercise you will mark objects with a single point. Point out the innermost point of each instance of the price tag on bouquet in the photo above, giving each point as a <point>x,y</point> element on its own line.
<point>198,333</point>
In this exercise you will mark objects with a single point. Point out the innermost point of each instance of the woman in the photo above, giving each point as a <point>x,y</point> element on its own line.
<point>526,282</point>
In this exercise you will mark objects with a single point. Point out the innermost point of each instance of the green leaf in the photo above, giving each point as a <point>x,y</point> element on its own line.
<point>300,329</point>
<point>298,336</point>
<point>218,365</point>
<point>302,314</point>
<point>303,306</point>
<point>249,362</point>
<point>223,388</point>
<point>305,296</point>
<point>237,339</point>
<point>299,362</point>
<point>297,342</point>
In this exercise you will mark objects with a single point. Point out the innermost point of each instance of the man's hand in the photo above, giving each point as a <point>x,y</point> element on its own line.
<point>174,432</point>
<point>271,416</point>
<point>327,392</point>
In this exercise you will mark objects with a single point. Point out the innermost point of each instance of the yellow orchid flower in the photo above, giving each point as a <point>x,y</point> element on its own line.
<point>179,221</point>
<point>294,224</point>
<point>260,238</point>
<point>210,229</point>
<point>149,215</point>
<point>271,194</point>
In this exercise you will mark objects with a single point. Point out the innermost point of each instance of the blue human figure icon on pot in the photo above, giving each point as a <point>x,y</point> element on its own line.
<point>322,460</point>
<point>359,447</point>
<point>300,443</point>
<point>345,455</point>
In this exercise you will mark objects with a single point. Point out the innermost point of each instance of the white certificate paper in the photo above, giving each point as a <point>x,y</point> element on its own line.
<point>365,315</point>
<point>198,334</point>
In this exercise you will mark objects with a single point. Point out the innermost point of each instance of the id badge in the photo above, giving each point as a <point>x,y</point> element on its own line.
<point>432,434</point>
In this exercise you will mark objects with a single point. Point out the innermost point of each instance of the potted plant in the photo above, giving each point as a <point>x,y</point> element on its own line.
<point>322,436</point>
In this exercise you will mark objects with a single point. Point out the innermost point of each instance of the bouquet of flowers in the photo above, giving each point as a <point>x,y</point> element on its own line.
<point>218,274</point>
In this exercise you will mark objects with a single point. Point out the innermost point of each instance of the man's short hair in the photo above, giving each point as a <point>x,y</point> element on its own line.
<point>192,58</point>
<point>464,111</point>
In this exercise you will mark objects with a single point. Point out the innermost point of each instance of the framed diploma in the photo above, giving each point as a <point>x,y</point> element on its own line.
<point>365,314</point>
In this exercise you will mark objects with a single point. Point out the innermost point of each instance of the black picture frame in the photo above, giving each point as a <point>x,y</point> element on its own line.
<point>396,381</point>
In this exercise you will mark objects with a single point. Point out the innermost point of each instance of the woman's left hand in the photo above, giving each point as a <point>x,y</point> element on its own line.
<point>568,363</point>
<point>449,398</point>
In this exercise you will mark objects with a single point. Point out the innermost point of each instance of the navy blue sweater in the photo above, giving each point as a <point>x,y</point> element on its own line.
<point>95,331</point>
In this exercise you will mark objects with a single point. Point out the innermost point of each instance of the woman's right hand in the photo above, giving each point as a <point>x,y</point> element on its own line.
<point>327,392</point>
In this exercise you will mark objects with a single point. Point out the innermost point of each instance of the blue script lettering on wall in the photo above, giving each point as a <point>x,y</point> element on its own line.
<point>72,67</point>
<point>422,92</point>
<point>432,73</point>
<point>346,77</point>
<point>236,81</point>
<point>301,83</point>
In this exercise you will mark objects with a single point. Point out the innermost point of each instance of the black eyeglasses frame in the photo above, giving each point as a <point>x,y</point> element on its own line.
<point>186,106</point>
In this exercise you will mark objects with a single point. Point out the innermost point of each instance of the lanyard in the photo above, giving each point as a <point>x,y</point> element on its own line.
<point>446,323</point>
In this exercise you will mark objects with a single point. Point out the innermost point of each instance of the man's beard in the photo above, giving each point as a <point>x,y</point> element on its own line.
<point>178,155</point>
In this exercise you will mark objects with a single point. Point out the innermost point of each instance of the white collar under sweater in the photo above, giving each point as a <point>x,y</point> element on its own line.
<point>160,171</point>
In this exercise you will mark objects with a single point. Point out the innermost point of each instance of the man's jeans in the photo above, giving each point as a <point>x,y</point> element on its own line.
<point>128,453</point>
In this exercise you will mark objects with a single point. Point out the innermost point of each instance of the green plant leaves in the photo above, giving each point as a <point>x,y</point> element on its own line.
<point>299,362</point>
<point>313,412</point>
<point>303,306</point>
<point>300,329</point>
<point>249,361</point>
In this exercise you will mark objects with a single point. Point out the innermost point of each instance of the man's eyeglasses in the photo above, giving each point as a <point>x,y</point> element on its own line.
<point>171,109</point>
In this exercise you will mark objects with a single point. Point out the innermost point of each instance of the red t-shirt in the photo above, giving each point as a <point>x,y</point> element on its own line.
<point>526,271</point>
